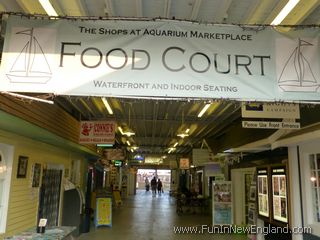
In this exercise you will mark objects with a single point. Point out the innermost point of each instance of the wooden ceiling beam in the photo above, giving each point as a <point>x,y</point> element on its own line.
<point>195,9</point>
<point>31,7</point>
<point>167,8</point>
<point>222,12</point>
<point>109,9</point>
<point>139,8</point>
<point>301,11</point>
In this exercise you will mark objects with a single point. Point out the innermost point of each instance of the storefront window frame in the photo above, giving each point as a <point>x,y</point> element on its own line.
<point>314,160</point>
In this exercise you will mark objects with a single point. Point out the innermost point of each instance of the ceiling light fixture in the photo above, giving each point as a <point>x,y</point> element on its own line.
<point>104,145</point>
<point>128,143</point>
<point>204,109</point>
<point>129,133</point>
<point>171,149</point>
<point>183,135</point>
<point>126,133</point>
<point>106,104</point>
<point>47,6</point>
<point>120,129</point>
<point>284,12</point>
<point>175,144</point>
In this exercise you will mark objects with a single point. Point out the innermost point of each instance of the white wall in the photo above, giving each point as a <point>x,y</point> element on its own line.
<point>6,152</point>
<point>294,186</point>
<point>305,150</point>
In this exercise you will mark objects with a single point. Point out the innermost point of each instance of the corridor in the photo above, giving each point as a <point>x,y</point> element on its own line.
<point>145,217</point>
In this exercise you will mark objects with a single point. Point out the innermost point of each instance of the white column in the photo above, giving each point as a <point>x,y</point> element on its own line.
<point>294,184</point>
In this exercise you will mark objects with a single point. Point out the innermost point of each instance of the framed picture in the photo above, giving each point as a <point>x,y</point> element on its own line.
<point>36,173</point>
<point>252,193</point>
<point>22,167</point>
<point>251,216</point>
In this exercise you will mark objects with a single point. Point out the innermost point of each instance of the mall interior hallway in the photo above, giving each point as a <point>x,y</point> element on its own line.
<point>147,217</point>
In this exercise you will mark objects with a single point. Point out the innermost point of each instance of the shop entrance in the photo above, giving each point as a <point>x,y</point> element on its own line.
<point>162,174</point>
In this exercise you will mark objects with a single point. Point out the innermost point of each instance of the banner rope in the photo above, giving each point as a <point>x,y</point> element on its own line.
<point>255,27</point>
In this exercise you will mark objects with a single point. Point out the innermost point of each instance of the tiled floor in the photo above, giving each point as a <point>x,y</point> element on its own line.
<point>145,217</point>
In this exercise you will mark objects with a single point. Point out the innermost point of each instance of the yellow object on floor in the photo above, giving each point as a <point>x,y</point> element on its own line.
<point>117,198</point>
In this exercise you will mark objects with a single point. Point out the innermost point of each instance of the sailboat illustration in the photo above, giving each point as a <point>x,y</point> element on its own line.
<point>31,65</point>
<point>297,75</point>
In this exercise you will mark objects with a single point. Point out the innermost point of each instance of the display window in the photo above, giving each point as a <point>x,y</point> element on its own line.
<point>314,160</point>
<point>279,195</point>
<point>263,193</point>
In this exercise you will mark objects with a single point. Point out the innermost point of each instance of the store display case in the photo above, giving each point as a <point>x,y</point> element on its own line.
<point>263,192</point>
<point>222,203</point>
<point>273,194</point>
<point>279,195</point>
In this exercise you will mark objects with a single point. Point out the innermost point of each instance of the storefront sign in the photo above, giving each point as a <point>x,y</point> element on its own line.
<point>160,58</point>
<point>212,169</point>
<point>270,110</point>
<point>270,125</point>
<point>103,213</point>
<point>184,163</point>
<point>114,154</point>
<point>201,156</point>
<point>94,132</point>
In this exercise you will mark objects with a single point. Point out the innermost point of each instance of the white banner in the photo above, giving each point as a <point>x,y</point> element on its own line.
<point>166,59</point>
<point>97,132</point>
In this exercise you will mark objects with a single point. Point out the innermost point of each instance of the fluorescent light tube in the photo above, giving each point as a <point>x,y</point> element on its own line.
<point>120,129</point>
<point>48,8</point>
<point>128,133</point>
<point>284,12</point>
<point>204,109</point>
<point>106,104</point>
<point>104,145</point>
<point>187,130</point>
<point>183,135</point>
<point>175,144</point>
<point>128,143</point>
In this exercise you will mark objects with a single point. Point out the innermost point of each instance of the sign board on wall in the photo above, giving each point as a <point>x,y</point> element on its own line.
<point>212,169</point>
<point>114,154</point>
<point>184,163</point>
<point>270,110</point>
<point>160,58</point>
<point>200,156</point>
<point>95,132</point>
<point>270,125</point>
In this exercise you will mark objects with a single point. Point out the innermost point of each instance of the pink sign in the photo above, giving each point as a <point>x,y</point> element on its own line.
<point>97,132</point>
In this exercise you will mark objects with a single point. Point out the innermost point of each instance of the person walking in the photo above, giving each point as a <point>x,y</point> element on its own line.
<point>147,185</point>
<point>154,186</point>
<point>159,186</point>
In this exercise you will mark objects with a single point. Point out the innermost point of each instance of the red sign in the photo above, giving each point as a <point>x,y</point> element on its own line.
<point>184,163</point>
<point>97,132</point>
